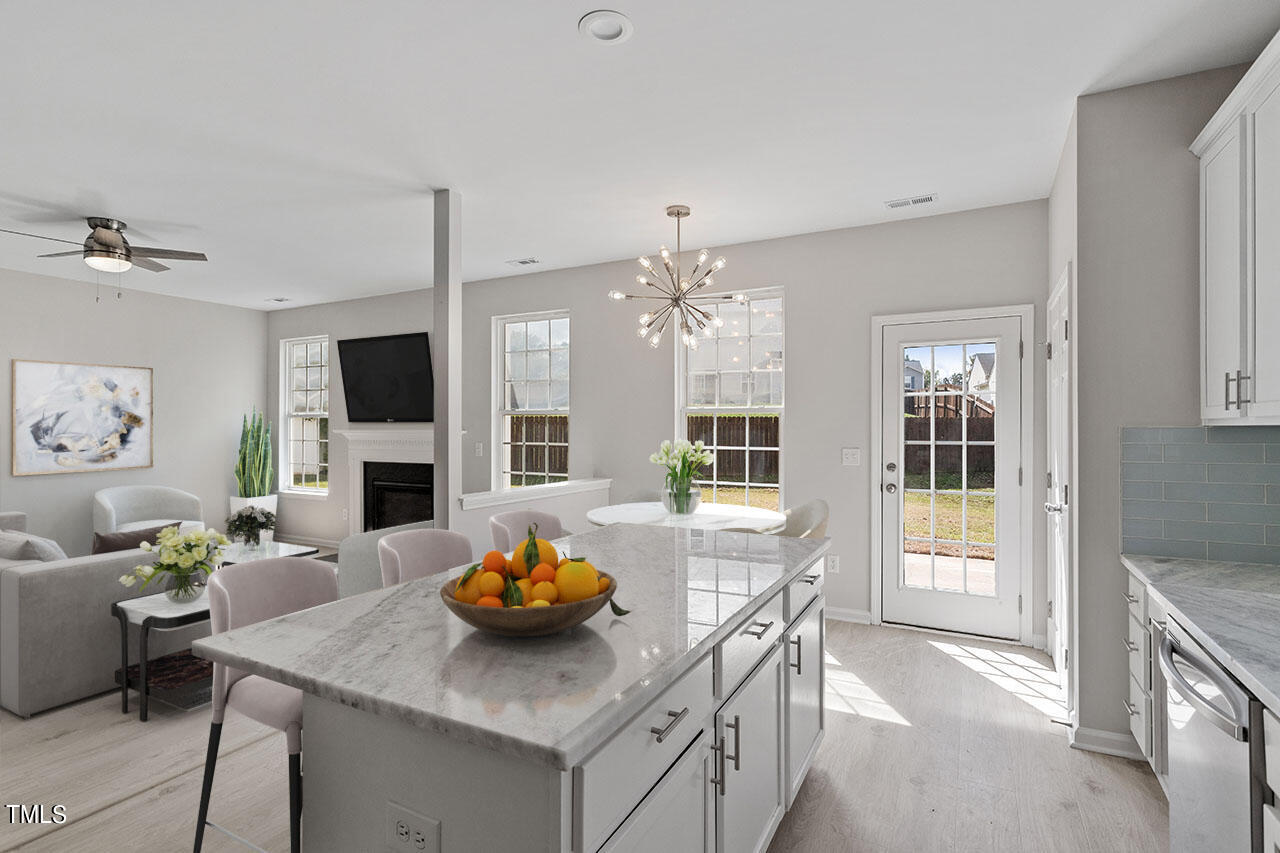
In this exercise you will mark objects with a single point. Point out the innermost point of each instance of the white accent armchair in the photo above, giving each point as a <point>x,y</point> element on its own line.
<point>123,508</point>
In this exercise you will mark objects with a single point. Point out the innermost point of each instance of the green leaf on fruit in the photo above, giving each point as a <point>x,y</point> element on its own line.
<point>617,611</point>
<point>466,576</point>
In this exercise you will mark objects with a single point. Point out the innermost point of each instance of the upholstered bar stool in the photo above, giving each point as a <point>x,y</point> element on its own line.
<point>241,595</point>
<point>808,521</point>
<point>412,554</point>
<point>510,528</point>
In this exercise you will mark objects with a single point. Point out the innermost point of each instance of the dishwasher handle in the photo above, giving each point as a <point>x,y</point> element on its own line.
<point>1237,726</point>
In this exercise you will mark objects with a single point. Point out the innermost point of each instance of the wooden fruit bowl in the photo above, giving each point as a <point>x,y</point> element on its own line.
<point>526,621</point>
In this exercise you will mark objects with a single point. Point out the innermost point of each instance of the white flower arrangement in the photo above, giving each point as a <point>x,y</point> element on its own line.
<point>184,556</point>
<point>682,460</point>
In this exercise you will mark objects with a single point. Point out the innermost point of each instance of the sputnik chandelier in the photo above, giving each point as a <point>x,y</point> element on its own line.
<point>678,292</point>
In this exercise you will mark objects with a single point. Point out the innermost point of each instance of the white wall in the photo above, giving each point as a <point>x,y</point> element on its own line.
<point>835,281</point>
<point>207,361</point>
<point>321,518</point>
<point>1138,337</point>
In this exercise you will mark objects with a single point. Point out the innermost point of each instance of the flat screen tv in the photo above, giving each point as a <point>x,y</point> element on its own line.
<point>387,379</point>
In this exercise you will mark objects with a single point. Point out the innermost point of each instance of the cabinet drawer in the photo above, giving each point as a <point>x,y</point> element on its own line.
<point>677,816</point>
<point>1270,830</point>
<point>1138,705</point>
<point>610,783</point>
<point>804,589</point>
<point>737,654</point>
<point>1136,597</point>
<point>1137,645</point>
<point>1271,749</point>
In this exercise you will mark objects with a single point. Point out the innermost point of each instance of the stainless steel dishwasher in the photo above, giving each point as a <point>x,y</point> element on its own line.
<point>1215,802</point>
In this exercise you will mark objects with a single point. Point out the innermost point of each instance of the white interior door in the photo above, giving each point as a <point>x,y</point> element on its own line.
<point>949,467</point>
<point>1058,505</point>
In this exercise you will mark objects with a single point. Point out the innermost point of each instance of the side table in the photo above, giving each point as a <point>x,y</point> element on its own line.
<point>150,612</point>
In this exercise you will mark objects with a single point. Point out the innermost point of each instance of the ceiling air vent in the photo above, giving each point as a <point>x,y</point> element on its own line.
<point>523,262</point>
<point>911,201</point>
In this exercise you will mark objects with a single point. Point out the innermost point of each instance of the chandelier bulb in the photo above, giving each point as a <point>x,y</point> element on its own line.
<point>709,331</point>
<point>708,281</point>
<point>692,342</point>
<point>645,262</point>
<point>646,318</point>
<point>702,257</point>
<point>653,342</point>
<point>643,331</point>
<point>617,295</point>
<point>684,284</point>
<point>642,280</point>
<point>665,252</point>
<point>719,264</point>
<point>717,321</point>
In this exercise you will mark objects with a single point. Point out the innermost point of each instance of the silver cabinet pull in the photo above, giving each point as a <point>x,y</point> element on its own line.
<point>1240,380</point>
<point>736,725</point>
<point>676,717</point>
<point>718,781</point>
<point>763,626</point>
<point>1226,392</point>
<point>810,579</point>
<point>1130,645</point>
<point>1131,708</point>
<point>1161,624</point>
<point>1130,597</point>
<point>795,641</point>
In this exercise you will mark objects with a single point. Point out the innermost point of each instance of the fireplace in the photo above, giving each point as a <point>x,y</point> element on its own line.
<point>396,493</point>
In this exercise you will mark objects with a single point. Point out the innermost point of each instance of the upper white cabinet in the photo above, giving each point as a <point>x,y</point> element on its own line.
<point>1239,153</point>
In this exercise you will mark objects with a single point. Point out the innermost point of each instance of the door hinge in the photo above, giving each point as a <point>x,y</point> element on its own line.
<point>1019,603</point>
<point>1066,330</point>
<point>1048,479</point>
<point>1050,614</point>
<point>1049,350</point>
<point>1019,475</point>
<point>1066,658</point>
<point>1020,353</point>
<point>1066,493</point>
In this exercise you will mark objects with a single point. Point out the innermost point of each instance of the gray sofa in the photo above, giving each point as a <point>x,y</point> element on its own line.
<point>13,521</point>
<point>358,568</point>
<point>58,639</point>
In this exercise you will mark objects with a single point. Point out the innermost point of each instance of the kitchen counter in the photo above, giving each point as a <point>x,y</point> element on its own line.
<point>1232,609</point>
<point>398,653</point>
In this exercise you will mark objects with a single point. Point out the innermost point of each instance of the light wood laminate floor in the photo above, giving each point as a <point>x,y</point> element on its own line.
<point>932,745</point>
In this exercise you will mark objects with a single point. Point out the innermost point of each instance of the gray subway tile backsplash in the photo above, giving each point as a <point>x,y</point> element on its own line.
<point>1201,492</point>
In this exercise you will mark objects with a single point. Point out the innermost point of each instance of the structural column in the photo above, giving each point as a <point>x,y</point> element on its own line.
<point>447,354</point>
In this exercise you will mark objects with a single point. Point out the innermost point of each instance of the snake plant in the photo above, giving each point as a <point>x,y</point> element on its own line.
<point>253,465</point>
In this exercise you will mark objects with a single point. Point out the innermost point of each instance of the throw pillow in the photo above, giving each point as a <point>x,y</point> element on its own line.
<point>106,542</point>
<point>24,546</point>
<point>46,550</point>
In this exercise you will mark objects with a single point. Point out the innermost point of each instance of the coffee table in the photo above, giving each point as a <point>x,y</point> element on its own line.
<point>157,612</point>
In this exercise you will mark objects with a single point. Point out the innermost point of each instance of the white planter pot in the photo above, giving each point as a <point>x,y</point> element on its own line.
<point>267,502</point>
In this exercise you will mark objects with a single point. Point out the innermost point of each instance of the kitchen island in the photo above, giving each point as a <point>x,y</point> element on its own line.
<point>687,724</point>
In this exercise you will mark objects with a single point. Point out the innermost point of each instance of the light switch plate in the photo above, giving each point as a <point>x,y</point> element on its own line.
<point>833,564</point>
<point>850,456</point>
<point>479,448</point>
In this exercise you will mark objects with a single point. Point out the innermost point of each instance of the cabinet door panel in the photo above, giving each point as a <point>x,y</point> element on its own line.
<point>804,678</point>
<point>1264,390</point>
<point>1222,286</point>
<point>676,816</point>
<point>748,811</point>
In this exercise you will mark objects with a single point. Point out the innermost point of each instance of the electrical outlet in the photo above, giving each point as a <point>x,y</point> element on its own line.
<point>344,513</point>
<point>479,448</point>
<point>833,564</point>
<point>409,831</point>
<point>850,456</point>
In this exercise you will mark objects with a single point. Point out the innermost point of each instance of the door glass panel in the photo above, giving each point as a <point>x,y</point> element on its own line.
<point>948,456</point>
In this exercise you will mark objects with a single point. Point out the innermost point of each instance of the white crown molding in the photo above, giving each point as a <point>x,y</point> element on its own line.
<point>1258,80</point>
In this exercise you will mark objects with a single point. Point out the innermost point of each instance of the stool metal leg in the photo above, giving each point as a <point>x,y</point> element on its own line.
<point>295,803</point>
<point>210,761</point>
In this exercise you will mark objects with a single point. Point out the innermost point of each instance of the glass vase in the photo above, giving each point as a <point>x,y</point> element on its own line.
<point>184,589</point>
<point>681,498</point>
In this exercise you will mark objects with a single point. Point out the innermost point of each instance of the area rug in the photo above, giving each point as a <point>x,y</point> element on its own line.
<point>180,679</point>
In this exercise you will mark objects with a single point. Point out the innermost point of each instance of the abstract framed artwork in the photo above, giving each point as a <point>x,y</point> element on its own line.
<point>70,418</point>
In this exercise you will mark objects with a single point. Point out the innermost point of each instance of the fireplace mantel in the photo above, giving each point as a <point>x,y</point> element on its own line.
<point>380,445</point>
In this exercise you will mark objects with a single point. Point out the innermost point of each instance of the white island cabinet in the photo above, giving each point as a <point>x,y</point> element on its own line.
<point>686,725</point>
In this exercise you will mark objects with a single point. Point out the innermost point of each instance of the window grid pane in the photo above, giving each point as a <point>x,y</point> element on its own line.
<point>534,411</point>
<point>306,415</point>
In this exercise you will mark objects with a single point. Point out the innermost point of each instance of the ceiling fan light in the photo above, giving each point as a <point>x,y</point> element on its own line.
<point>107,262</point>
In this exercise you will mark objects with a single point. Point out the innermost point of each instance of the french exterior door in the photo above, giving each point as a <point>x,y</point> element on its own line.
<point>949,480</point>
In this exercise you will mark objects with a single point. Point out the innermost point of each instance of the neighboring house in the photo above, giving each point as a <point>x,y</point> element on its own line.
<point>912,375</point>
<point>982,375</point>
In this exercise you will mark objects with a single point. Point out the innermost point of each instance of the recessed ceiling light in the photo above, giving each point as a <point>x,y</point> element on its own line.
<point>278,299</point>
<point>523,262</point>
<point>606,26</point>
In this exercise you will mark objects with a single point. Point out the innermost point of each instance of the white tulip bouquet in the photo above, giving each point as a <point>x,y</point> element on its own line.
<point>682,460</point>
<point>187,558</point>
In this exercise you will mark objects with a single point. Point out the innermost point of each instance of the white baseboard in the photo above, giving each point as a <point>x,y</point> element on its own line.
<point>1039,641</point>
<point>848,614</point>
<point>1119,744</point>
<point>308,540</point>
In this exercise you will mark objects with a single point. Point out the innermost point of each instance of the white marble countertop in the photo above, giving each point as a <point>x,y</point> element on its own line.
<point>1232,609</point>
<point>399,653</point>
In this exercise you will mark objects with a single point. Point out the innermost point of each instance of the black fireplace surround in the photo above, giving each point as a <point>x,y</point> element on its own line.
<point>397,493</point>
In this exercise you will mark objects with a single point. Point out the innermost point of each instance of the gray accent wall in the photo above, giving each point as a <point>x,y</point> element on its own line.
<point>207,361</point>
<point>1208,493</point>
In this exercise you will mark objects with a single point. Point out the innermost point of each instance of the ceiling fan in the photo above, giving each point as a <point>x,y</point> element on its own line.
<point>107,250</point>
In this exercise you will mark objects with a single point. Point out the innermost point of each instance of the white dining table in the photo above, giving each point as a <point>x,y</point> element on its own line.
<point>708,516</point>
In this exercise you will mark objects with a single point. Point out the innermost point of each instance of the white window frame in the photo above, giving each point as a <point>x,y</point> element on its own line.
<point>683,409</point>
<point>498,380</point>
<point>284,466</point>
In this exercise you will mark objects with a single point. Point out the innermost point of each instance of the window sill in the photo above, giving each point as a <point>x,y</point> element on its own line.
<point>522,494</point>
<point>304,494</point>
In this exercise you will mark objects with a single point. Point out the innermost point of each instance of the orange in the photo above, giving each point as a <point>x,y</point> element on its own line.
<point>563,560</point>
<point>495,561</point>
<point>539,602</point>
<point>546,591</point>
<point>576,581</point>
<point>542,572</point>
<point>526,589</point>
<point>522,572</point>
<point>469,592</point>
<point>604,584</point>
<point>489,601</point>
<point>531,552</point>
<point>491,583</point>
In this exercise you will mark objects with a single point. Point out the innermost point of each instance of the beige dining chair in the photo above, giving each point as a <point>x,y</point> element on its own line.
<point>412,554</point>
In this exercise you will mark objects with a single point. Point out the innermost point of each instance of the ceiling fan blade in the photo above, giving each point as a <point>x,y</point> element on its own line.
<point>107,237</point>
<point>148,264</point>
<point>172,254</point>
<point>40,237</point>
<point>62,254</point>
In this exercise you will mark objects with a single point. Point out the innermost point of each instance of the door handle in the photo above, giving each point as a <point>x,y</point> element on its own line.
<point>1131,708</point>
<point>810,579</point>
<point>1240,380</point>
<point>1129,644</point>
<point>1226,391</point>
<point>891,487</point>
<point>676,716</point>
<point>718,781</point>
<point>1048,507</point>
<point>736,725</point>
<point>795,641</point>
<point>1130,597</point>
<point>1237,727</point>
<point>764,629</point>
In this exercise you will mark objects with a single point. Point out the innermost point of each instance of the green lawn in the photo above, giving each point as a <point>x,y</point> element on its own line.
<point>949,522</point>
<point>763,498</point>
